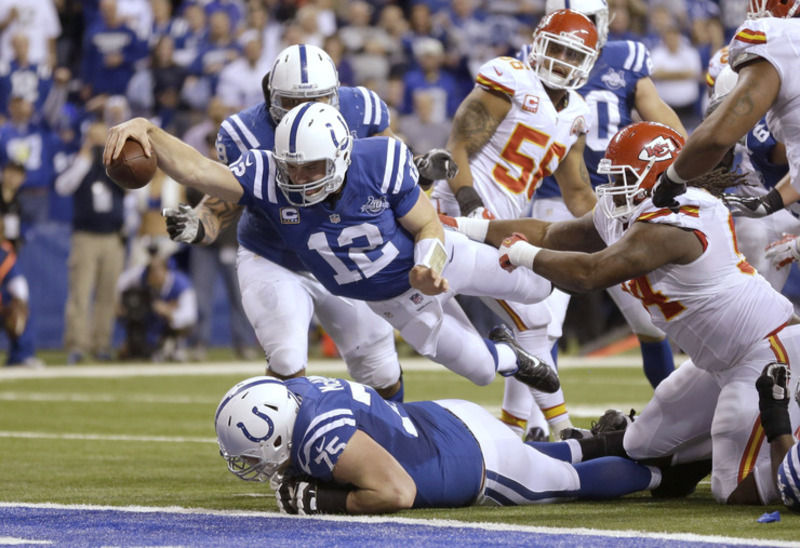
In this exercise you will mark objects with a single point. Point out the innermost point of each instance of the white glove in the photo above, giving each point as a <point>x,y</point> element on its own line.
<point>474,229</point>
<point>784,251</point>
<point>183,224</point>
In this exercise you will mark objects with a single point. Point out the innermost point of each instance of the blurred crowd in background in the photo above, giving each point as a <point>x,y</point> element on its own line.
<point>69,69</point>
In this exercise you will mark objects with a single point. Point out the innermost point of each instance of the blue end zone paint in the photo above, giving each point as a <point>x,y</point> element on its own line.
<point>82,527</point>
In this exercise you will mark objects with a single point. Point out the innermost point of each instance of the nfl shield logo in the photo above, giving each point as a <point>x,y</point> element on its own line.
<point>416,298</point>
<point>335,218</point>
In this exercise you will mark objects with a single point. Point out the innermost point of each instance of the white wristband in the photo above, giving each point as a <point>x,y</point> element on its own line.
<point>430,253</point>
<point>523,254</point>
<point>474,229</point>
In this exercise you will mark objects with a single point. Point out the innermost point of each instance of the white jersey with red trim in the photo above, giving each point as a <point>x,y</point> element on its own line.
<point>528,144</point>
<point>716,307</point>
<point>777,41</point>
<point>715,65</point>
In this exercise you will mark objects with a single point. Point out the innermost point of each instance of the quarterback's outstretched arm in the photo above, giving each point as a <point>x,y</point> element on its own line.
<point>177,159</point>
<point>756,89</point>
<point>423,223</point>
<point>216,216</point>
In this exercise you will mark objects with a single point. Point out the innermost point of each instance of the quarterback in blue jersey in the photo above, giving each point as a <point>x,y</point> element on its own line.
<point>618,84</point>
<point>376,238</point>
<point>280,317</point>
<point>334,446</point>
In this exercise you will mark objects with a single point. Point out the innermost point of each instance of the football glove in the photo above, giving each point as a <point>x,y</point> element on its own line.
<point>773,400</point>
<point>306,496</point>
<point>435,164</point>
<point>183,224</point>
<point>752,206</point>
<point>665,191</point>
<point>784,251</point>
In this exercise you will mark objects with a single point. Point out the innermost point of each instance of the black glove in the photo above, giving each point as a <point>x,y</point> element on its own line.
<point>183,224</point>
<point>752,206</point>
<point>305,496</point>
<point>665,190</point>
<point>773,400</point>
<point>435,164</point>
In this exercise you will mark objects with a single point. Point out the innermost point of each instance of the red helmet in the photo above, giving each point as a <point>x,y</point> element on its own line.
<point>564,49</point>
<point>634,159</point>
<point>772,8</point>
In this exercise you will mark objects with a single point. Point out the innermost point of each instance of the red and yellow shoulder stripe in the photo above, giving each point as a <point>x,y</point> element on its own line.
<point>491,84</point>
<point>751,36</point>
<point>691,211</point>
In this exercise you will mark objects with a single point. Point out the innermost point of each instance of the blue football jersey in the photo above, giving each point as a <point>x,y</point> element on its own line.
<point>365,113</point>
<point>354,246</point>
<point>760,143</point>
<point>430,443</point>
<point>610,94</point>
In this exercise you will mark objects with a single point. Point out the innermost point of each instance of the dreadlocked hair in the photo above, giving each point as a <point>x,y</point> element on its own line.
<point>717,180</point>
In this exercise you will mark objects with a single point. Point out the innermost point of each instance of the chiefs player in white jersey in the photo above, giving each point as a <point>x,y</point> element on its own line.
<point>765,51</point>
<point>522,122</point>
<point>682,263</point>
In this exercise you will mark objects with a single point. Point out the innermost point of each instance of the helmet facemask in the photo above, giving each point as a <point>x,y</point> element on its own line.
<point>757,9</point>
<point>301,73</point>
<point>254,424</point>
<point>312,140</point>
<point>564,49</point>
<point>620,196</point>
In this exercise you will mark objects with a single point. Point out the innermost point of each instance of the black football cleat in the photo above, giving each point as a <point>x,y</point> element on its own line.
<point>530,369</point>
<point>680,481</point>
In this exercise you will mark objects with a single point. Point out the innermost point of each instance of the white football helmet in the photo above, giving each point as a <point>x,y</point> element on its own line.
<point>302,73</point>
<point>564,49</point>
<point>309,133</point>
<point>254,423</point>
<point>789,478</point>
<point>595,10</point>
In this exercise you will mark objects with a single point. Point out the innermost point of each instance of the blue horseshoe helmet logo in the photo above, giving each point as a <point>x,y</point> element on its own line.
<point>251,437</point>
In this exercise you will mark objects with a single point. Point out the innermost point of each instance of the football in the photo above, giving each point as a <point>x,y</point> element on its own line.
<point>132,169</point>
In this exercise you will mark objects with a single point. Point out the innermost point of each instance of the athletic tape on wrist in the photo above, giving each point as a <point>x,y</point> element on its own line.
<point>673,176</point>
<point>430,252</point>
<point>474,229</point>
<point>523,254</point>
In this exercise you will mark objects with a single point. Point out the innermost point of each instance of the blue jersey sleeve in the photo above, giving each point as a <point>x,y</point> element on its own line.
<point>366,114</point>
<point>252,171</point>
<point>228,150</point>
<point>402,189</point>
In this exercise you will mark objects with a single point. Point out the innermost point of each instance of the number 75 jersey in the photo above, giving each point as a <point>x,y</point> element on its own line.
<point>354,246</point>
<point>529,143</point>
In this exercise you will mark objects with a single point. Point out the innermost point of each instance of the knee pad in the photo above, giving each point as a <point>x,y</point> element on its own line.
<point>286,361</point>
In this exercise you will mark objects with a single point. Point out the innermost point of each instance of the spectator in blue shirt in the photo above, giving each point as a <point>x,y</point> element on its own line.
<point>110,49</point>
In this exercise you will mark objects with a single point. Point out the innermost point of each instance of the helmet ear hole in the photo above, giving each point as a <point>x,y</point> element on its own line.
<point>277,442</point>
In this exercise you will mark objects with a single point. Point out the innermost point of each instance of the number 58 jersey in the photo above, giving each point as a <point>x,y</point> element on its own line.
<point>529,143</point>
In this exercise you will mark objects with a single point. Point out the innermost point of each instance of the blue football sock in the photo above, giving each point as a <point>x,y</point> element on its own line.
<point>609,477</point>
<point>657,361</point>
<point>554,354</point>
<point>557,449</point>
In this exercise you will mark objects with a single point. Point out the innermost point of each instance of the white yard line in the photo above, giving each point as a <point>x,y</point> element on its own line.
<point>104,437</point>
<point>680,537</point>
<point>257,368</point>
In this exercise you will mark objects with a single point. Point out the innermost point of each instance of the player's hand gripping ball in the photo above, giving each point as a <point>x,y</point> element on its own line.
<point>132,168</point>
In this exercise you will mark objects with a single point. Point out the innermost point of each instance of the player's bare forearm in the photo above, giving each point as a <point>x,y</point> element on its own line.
<point>756,89</point>
<point>778,449</point>
<point>573,179</point>
<point>653,109</point>
<point>474,123</point>
<point>573,235</point>
<point>177,159</point>
<point>422,221</point>
<point>216,216</point>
